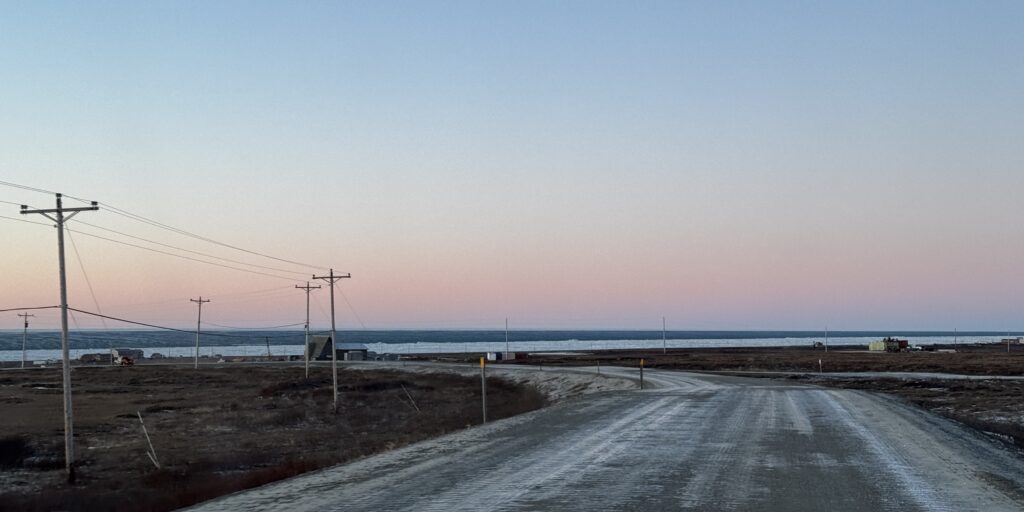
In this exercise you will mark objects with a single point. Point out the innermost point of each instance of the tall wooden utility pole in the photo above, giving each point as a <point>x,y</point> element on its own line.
<point>24,337</point>
<point>199,322</point>
<point>58,216</point>
<point>308,289</point>
<point>331,279</point>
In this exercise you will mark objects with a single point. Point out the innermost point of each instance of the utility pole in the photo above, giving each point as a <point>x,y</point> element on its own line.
<point>199,322</point>
<point>483,387</point>
<point>59,217</point>
<point>664,337</point>
<point>308,288</point>
<point>331,279</point>
<point>24,337</point>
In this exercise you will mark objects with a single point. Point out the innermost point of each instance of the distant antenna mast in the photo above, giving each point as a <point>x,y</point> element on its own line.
<point>59,217</point>
<point>24,337</point>
<point>307,288</point>
<point>199,322</point>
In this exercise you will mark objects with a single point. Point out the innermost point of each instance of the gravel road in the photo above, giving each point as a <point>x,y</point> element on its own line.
<point>695,442</point>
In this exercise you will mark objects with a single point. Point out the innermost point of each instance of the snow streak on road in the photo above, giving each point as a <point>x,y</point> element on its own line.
<point>695,442</point>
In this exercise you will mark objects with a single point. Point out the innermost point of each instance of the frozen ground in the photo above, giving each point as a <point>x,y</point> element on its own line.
<point>696,442</point>
<point>556,384</point>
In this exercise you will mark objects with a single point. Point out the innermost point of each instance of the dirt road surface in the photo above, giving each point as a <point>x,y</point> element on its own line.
<point>695,442</point>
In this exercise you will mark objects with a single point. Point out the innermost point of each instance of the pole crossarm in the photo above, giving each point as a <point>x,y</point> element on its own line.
<point>332,278</point>
<point>24,210</point>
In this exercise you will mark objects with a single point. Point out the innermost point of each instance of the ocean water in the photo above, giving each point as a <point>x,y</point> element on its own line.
<point>45,345</point>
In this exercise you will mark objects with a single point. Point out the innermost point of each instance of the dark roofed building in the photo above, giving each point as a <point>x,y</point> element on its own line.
<point>320,350</point>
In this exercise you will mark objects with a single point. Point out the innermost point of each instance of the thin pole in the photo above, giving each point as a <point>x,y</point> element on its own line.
<point>305,340</point>
<point>60,219</point>
<point>641,374</point>
<point>506,336</point>
<point>308,288</point>
<point>331,278</point>
<point>954,338</point>
<point>24,337</point>
<point>826,338</point>
<point>69,446</point>
<point>199,322</point>
<point>483,387</point>
<point>664,338</point>
<point>334,346</point>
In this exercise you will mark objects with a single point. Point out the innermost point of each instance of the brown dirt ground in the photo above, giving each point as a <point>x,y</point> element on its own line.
<point>216,430</point>
<point>973,359</point>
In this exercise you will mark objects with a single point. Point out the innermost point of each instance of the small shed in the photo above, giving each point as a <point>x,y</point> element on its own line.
<point>319,349</point>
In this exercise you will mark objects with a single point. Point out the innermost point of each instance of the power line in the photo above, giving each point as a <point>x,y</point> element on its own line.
<point>129,244</point>
<point>26,221</point>
<point>165,328</point>
<point>96,302</point>
<point>254,328</point>
<point>33,189</point>
<point>352,309</point>
<point>182,257</point>
<point>191,251</point>
<point>11,203</point>
<point>140,218</point>
<point>88,282</point>
<point>28,309</point>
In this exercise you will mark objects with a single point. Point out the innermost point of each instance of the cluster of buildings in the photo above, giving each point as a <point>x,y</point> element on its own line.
<point>889,344</point>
